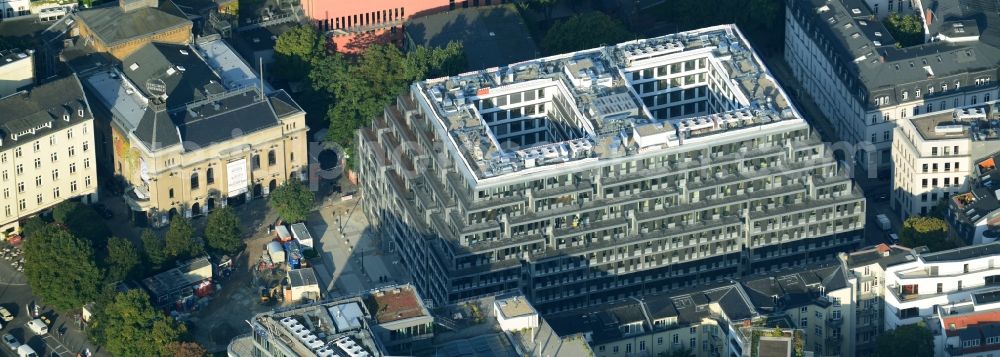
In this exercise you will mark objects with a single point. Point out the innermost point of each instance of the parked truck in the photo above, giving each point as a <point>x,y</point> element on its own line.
<point>293,254</point>
<point>883,222</point>
<point>276,251</point>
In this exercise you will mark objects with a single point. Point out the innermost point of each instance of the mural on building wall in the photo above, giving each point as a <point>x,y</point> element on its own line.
<point>125,153</point>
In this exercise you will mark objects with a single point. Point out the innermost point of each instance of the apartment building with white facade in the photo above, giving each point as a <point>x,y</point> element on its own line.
<point>588,177</point>
<point>850,65</point>
<point>934,154</point>
<point>46,150</point>
<point>934,286</point>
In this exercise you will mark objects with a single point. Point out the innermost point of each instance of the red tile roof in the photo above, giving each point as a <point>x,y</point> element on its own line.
<point>963,321</point>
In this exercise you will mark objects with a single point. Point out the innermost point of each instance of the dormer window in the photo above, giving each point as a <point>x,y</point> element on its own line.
<point>856,11</point>
<point>66,117</point>
<point>79,112</point>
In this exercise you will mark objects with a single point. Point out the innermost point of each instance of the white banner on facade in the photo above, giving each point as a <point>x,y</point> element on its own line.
<point>237,174</point>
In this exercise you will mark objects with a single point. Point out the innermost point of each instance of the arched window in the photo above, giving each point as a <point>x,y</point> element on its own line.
<point>194,180</point>
<point>271,159</point>
<point>210,176</point>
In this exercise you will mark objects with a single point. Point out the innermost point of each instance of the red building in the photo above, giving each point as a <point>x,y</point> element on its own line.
<point>354,24</point>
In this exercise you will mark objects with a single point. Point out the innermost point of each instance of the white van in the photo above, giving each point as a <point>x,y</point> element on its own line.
<point>26,351</point>
<point>38,327</point>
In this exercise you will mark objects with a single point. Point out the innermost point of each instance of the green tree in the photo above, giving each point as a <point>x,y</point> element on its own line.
<point>295,50</point>
<point>361,90</point>
<point>908,340</point>
<point>121,260</point>
<point>179,242</point>
<point>292,200</point>
<point>187,349</point>
<point>83,221</point>
<point>152,248</point>
<point>222,231</point>
<point>908,30</point>
<point>131,326</point>
<point>925,231</point>
<point>584,31</point>
<point>60,268</point>
<point>32,225</point>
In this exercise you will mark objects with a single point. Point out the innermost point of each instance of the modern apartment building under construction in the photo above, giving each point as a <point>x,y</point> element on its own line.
<point>592,176</point>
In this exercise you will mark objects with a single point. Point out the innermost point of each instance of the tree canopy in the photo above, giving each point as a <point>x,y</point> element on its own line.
<point>908,30</point>
<point>121,260</point>
<point>908,340</point>
<point>222,231</point>
<point>60,268</point>
<point>152,249</point>
<point>359,87</point>
<point>130,326</point>
<point>584,31</point>
<point>187,349</point>
<point>83,221</point>
<point>292,200</point>
<point>295,49</point>
<point>925,231</point>
<point>179,242</point>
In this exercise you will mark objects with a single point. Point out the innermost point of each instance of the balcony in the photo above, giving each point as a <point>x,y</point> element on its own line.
<point>833,340</point>
<point>834,322</point>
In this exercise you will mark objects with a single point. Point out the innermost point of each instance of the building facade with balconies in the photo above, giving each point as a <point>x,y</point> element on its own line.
<point>588,177</point>
<point>932,286</point>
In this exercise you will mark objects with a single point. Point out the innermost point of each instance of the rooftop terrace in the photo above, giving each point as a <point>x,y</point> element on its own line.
<point>589,102</point>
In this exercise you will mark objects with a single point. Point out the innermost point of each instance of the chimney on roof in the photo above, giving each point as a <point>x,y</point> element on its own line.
<point>928,17</point>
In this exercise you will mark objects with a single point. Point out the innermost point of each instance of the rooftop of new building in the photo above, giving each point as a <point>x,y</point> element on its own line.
<point>325,330</point>
<point>594,113</point>
<point>113,25</point>
<point>490,35</point>
<point>396,304</point>
<point>963,253</point>
<point>882,254</point>
<point>341,327</point>
<point>975,123</point>
<point>38,111</point>
<point>194,96</point>
<point>965,47</point>
<point>982,200</point>
<point>515,306</point>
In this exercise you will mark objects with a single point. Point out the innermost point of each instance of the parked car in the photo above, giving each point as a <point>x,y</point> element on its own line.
<point>11,342</point>
<point>894,238</point>
<point>5,314</point>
